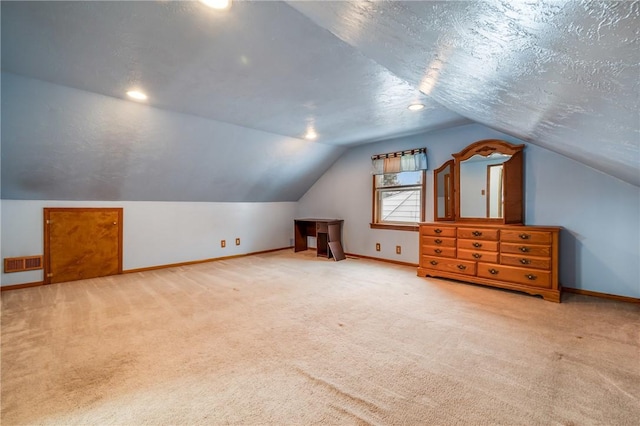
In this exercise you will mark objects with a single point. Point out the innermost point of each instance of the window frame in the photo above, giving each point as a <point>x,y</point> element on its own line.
<point>398,226</point>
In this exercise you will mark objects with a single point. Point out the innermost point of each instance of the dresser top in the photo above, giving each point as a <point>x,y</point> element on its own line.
<point>490,225</point>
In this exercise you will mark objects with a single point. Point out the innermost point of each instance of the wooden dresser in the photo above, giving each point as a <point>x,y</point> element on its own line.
<point>516,257</point>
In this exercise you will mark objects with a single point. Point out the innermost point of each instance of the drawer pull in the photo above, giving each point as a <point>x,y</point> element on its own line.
<point>433,262</point>
<point>524,249</point>
<point>438,241</point>
<point>462,267</point>
<point>477,233</point>
<point>477,255</point>
<point>477,245</point>
<point>524,236</point>
<point>437,231</point>
<point>525,261</point>
<point>438,251</point>
<point>531,276</point>
<point>493,271</point>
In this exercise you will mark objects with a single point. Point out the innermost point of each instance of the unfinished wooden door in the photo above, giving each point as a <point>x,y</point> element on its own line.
<point>82,243</point>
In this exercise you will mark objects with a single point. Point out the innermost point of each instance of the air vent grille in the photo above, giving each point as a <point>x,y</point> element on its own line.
<point>19,264</point>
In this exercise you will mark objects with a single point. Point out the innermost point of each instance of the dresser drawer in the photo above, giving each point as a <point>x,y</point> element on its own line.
<point>448,265</point>
<point>526,236</point>
<point>527,276</point>
<point>478,245</point>
<point>477,255</point>
<point>526,261</point>
<point>528,249</point>
<point>439,241</point>
<point>478,234</point>
<point>439,251</point>
<point>438,231</point>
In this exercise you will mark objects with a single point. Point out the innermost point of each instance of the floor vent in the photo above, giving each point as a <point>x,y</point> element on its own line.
<point>19,264</point>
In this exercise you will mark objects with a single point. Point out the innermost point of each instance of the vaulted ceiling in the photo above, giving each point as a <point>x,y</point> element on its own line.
<point>562,75</point>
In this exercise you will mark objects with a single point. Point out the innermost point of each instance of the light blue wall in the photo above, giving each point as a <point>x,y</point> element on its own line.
<point>600,242</point>
<point>600,246</point>
<point>156,233</point>
<point>185,182</point>
<point>60,143</point>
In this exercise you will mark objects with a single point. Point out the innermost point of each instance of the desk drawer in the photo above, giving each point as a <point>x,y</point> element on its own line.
<point>321,227</point>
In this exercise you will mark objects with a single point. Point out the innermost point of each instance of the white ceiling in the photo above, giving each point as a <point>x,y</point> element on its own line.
<point>562,75</point>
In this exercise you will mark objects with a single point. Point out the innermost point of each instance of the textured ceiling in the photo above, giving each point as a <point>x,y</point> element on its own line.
<point>261,65</point>
<point>562,75</point>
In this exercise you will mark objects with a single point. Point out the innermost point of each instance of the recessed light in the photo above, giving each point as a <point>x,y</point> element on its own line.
<point>217,4</point>
<point>311,134</point>
<point>137,95</point>
<point>416,107</point>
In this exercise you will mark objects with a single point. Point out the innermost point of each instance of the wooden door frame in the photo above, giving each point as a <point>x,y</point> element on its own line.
<point>47,249</point>
<point>500,188</point>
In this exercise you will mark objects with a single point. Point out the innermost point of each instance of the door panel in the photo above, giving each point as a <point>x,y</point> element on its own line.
<point>82,243</point>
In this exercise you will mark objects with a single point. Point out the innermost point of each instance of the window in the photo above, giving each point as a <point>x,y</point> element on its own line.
<point>399,190</point>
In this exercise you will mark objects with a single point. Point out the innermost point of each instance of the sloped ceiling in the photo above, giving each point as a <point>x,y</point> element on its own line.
<point>560,75</point>
<point>564,75</point>
<point>260,65</point>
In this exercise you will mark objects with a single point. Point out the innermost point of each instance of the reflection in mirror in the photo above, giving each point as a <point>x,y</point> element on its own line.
<point>487,183</point>
<point>443,182</point>
<point>494,190</point>
<point>481,186</point>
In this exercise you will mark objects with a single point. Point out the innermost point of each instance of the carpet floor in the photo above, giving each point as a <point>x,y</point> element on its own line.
<point>286,338</point>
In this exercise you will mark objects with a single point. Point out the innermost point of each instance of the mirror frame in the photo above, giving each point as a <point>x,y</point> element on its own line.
<point>513,200</point>
<point>513,181</point>
<point>452,210</point>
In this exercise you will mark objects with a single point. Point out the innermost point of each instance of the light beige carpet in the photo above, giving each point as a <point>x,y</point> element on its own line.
<point>290,339</point>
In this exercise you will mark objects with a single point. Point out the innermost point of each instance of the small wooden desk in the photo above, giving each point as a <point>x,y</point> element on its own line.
<point>325,231</point>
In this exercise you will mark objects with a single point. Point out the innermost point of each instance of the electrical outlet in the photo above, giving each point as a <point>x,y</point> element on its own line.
<point>377,246</point>
<point>223,243</point>
<point>237,241</point>
<point>398,250</point>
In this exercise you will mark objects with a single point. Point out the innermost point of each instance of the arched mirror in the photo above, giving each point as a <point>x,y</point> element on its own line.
<point>482,186</point>
<point>443,189</point>
<point>488,182</point>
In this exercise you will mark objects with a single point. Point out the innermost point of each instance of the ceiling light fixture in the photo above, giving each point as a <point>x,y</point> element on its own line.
<point>137,95</point>
<point>416,107</point>
<point>311,134</point>
<point>217,4</point>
